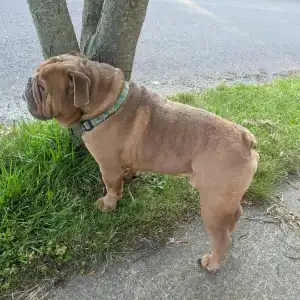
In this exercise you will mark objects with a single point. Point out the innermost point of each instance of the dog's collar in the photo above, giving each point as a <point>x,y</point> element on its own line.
<point>88,125</point>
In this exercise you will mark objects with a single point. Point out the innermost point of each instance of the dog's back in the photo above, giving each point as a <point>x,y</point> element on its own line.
<point>173,135</point>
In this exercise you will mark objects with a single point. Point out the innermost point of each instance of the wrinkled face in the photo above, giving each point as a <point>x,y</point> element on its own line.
<point>59,88</point>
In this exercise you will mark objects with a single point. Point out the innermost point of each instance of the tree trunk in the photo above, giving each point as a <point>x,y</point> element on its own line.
<point>110,29</point>
<point>90,18</point>
<point>54,26</point>
<point>117,33</point>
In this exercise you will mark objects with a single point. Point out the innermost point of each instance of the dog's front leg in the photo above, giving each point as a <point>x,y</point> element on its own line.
<point>113,180</point>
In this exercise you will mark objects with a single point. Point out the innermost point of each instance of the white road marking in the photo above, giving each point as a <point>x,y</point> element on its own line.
<point>197,7</point>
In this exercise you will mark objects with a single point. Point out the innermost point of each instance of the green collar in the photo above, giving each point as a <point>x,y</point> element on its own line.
<point>88,125</point>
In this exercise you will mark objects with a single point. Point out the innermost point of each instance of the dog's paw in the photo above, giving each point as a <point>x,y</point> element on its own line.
<point>206,263</point>
<point>104,205</point>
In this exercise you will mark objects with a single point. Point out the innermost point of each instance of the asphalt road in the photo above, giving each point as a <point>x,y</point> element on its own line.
<point>184,44</point>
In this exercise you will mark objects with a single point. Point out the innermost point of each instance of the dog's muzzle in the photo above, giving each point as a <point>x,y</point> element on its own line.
<point>32,103</point>
<point>28,97</point>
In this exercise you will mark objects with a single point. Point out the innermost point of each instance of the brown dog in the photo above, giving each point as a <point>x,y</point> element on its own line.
<point>140,130</point>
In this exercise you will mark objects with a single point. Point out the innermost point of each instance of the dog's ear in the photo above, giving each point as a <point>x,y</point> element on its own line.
<point>81,86</point>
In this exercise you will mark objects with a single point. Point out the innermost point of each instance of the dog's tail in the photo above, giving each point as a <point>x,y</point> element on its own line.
<point>251,142</point>
<point>249,139</point>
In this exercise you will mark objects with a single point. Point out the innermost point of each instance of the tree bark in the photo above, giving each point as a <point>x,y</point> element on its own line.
<point>54,26</point>
<point>117,33</point>
<point>90,18</point>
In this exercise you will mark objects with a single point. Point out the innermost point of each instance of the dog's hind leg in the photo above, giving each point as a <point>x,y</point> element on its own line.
<point>217,219</point>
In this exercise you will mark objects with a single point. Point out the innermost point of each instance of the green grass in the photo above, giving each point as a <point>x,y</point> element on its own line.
<point>48,221</point>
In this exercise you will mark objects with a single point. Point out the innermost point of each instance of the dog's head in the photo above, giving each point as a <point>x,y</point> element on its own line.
<point>71,88</point>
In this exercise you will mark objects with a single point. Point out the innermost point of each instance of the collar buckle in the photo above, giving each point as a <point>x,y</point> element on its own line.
<point>87,125</point>
<point>90,124</point>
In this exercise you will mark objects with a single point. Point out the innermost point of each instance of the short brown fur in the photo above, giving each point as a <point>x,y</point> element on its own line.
<point>150,133</point>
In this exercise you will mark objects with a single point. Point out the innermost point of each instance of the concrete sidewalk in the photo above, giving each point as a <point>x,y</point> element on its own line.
<point>263,263</point>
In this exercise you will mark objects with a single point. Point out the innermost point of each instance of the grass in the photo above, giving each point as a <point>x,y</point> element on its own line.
<point>48,221</point>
